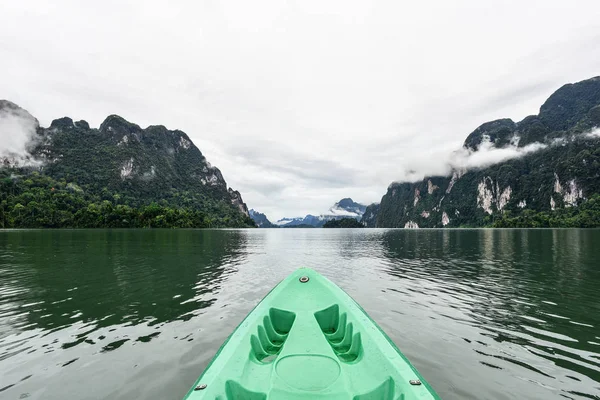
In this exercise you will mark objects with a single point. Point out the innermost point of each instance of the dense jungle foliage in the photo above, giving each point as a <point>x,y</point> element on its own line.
<point>587,215</point>
<point>343,223</point>
<point>38,201</point>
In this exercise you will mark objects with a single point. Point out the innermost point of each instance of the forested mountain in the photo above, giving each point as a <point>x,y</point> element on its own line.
<point>120,175</point>
<point>554,171</point>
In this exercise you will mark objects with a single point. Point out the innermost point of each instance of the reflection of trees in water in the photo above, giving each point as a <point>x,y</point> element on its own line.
<point>352,243</point>
<point>513,284</point>
<point>108,277</point>
<point>438,244</point>
<point>528,255</point>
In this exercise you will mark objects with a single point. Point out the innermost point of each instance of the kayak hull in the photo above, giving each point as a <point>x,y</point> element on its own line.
<point>307,339</point>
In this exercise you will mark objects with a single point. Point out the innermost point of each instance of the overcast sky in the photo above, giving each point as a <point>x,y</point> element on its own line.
<point>299,103</point>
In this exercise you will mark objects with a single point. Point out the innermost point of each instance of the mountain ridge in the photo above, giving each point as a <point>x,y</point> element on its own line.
<point>562,169</point>
<point>138,166</point>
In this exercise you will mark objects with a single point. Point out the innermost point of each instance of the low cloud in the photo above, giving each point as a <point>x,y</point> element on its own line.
<point>442,163</point>
<point>17,135</point>
<point>340,212</point>
<point>488,155</point>
<point>594,133</point>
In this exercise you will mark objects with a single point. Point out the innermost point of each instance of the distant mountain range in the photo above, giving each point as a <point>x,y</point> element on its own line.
<point>345,208</point>
<point>308,220</point>
<point>554,172</point>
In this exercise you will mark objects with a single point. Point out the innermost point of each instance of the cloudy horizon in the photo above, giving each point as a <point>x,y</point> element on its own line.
<point>300,105</point>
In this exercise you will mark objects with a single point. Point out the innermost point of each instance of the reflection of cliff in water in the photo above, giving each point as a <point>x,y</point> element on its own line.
<point>54,278</point>
<point>492,253</point>
<point>531,287</point>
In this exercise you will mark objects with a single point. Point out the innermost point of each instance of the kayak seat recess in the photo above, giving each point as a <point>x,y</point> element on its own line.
<point>271,335</point>
<point>385,391</point>
<point>346,345</point>
<point>234,391</point>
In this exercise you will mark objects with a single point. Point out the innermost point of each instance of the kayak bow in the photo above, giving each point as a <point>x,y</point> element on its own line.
<point>308,339</point>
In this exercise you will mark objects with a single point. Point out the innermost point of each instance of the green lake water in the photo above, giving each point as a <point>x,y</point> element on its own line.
<point>138,314</point>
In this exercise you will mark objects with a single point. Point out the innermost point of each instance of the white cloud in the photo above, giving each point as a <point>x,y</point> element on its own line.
<point>17,133</point>
<point>343,95</point>
<point>488,155</point>
<point>441,162</point>
<point>340,212</point>
<point>594,133</point>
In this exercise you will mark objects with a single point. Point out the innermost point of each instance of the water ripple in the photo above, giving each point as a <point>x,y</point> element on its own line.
<point>482,314</point>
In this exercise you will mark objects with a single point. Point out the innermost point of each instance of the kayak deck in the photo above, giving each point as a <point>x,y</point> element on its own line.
<point>307,339</point>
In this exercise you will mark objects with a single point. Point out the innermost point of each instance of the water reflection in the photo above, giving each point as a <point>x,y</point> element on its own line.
<point>82,274</point>
<point>101,289</point>
<point>483,314</point>
<point>523,298</point>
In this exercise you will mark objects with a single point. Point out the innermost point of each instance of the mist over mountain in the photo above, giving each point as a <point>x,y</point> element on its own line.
<point>71,175</point>
<point>345,208</point>
<point>348,207</point>
<point>508,171</point>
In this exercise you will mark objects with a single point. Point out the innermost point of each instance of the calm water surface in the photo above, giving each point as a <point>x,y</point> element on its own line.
<point>483,314</point>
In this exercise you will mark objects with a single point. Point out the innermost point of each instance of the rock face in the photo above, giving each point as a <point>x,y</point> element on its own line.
<point>563,172</point>
<point>261,219</point>
<point>141,165</point>
<point>236,201</point>
<point>369,218</point>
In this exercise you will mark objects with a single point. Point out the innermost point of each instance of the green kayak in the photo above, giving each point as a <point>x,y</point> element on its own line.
<point>308,339</point>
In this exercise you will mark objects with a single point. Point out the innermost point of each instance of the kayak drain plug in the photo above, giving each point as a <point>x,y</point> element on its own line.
<point>200,387</point>
<point>414,382</point>
<point>304,279</point>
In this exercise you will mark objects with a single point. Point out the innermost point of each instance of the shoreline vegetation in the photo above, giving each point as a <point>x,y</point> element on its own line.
<point>586,215</point>
<point>38,201</point>
<point>343,223</point>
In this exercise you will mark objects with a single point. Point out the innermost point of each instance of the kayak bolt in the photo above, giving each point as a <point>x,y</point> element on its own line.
<point>304,279</point>
<point>415,382</point>
<point>200,387</point>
